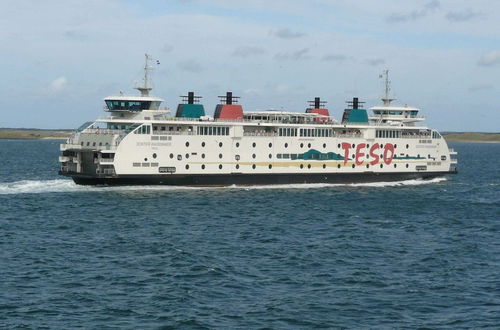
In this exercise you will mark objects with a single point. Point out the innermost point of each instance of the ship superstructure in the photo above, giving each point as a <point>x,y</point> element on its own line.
<point>142,143</point>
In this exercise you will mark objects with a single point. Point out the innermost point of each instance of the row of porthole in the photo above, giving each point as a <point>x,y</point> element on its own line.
<point>270,166</point>
<point>301,145</point>
<point>179,157</point>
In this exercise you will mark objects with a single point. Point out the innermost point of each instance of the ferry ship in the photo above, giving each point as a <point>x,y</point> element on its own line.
<point>140,142</point>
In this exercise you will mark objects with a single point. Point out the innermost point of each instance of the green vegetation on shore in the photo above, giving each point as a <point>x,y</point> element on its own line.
<point>34,133</point>
<point>471,137</point>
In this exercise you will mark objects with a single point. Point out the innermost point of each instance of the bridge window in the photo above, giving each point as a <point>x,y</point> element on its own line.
<point>117,105</point>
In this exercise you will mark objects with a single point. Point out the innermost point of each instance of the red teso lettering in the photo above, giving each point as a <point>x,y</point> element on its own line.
<point>388,148</point>
<point>359,154</point>
<point>346,146</point>
<point>373,154</point>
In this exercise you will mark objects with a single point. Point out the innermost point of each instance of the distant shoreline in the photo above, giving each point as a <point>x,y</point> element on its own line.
<point>62,134</point>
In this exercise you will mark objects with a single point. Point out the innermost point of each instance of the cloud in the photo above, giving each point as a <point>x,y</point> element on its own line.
<point>336,57</point>
<point>490,59</point>
<point>190,66</point>
<point>480,87</point>
<point>428,8</point>
<point>75,35</point>
<point>287,34</point>
<point>462,16</point>
<point>246,51</point>
<point>58,84</point>
<point>375,61</point>
<point>301,54</point>
<point>167,48</point>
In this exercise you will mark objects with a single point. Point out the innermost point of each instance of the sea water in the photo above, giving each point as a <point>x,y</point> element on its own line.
<point>383,255</point>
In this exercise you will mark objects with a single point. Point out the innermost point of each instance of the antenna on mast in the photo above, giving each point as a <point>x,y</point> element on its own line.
<point>146,87</point>
<point>387,99</point>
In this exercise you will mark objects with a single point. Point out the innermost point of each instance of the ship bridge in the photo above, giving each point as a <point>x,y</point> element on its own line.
<point>398,115</point>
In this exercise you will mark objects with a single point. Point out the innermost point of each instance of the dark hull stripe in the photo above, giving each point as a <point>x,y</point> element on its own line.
<point>251,179</point>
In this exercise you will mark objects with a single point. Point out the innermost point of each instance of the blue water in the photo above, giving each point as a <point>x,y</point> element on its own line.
<point>405,255</point>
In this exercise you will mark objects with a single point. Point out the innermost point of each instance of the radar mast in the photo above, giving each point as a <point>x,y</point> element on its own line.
<point>146,87</point>
<point>386,98</point>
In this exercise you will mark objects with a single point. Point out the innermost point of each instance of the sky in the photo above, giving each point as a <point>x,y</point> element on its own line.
<point>59,59</point>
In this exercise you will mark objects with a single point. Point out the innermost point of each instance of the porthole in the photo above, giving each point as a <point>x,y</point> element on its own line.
<point>220,167</point>
<point>309,166</point>
<point>353,166</point>
<point>301,166</point>
<point>395,146</point>
<point>145,159</point>
<point>187,167</point>
<point>154,155</point>
<point>418,156</point>
<point>220,155</point>
<point>93,144</point>
<point>395,165</point>
<point>253,166</point>
<point>367,146</point>
<point>286,145</point>
<point>202,167</point>
<point>100,144</point>
<point>270,166</point>
<point>203,144</point>
<point>367,165</point>
<point>237,166</point>
<point>407,165</point>
<point>338,166</point>
<point>407,146</point>
<point>171,155</point>
<point>187,156</point>
<point>270,156</point>
<point>302,145</point>
<point>324,145</point>
<point>179,157</point>
<point>381,165</point>
<point>88,143</point>
<point>187,144</point>
<point>202,155</point>
<point>324,165</point>
<point>309,145</point>
<point>237,144</point>
<point>253,156</point>
<point>353,145</point>
<point>381,146</point>
<point>220,144</point>
<point>338,145</point>
<point>270,145</point>
<point>237,157</point>
<point>353,156</point>
<point>429,156</point>
<point>253,144</point>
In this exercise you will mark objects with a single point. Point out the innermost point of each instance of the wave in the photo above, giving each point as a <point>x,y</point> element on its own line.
<point>63,186</point>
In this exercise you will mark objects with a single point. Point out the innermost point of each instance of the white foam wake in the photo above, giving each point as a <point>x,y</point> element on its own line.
<point>415,182</point>
<point>61,186</point>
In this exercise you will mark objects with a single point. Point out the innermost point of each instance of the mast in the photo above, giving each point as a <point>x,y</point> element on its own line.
<point>146,87</point>
<point>386,98</point>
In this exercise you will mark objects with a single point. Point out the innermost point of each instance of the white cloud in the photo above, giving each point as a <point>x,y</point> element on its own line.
<point>190,66</point>
<point>247,51</point>
<point>58,84</point>
<point>428,8</point>
<point>301,54</point>
<point>490,59</point>
<point>462,16</point>
<point>287,34</point>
